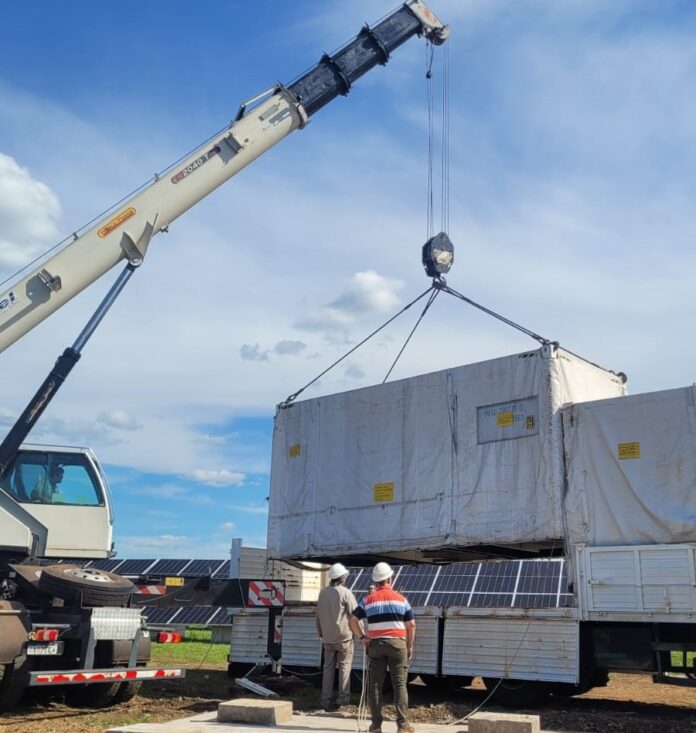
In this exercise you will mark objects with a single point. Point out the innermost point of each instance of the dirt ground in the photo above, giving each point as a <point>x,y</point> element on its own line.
<point>630,703</point>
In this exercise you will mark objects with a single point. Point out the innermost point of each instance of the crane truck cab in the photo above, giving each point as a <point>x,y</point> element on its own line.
<point>64,489</point>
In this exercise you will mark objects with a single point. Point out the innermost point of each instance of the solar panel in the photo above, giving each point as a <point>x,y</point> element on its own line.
<point>109,564</point>
<point>566,600</point>
<point>456,578</point>
<point>490,600</point>
<point>446,600</point>
<point>135,567</point>
<point>223,571</point>
<point>168,567</point>
<point>353,577</point>
<point>156,616</point>
<point>201,568</point>
<point>221,616</point>
<point>362,581</point>
<point>196,615</point>
<point>497,577</point>
<point>539,576</point>
<point>416,578</point>
<point>416,598</point>
<point>535,600</point>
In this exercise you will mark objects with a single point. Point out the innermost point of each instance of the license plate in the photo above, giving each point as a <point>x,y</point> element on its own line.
<point>53,647</point>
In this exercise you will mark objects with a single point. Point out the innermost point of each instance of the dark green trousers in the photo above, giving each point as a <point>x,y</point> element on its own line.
<point>389,653</point>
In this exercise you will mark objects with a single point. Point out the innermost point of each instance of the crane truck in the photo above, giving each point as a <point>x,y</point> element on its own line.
<point>60,623</point>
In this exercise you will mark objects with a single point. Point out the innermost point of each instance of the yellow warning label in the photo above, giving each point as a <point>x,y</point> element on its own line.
<point>382,493</point>
<point>629,450</point>
<point>530,422</point>
<point>173,581</point>
<point>505,419</point>
<point>116,222</point>
<point>295,450</point>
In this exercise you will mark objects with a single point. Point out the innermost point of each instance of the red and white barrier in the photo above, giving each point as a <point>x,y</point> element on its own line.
<point>42,679</point>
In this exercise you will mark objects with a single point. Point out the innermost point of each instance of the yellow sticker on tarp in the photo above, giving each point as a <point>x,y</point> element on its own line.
<point>171,582</point>
<point>382,493</point>
<point>505,419</point>
<point>629,450</point>
<point>295,450</point>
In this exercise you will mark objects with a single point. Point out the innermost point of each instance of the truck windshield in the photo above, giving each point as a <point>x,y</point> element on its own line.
<point>53,478</point>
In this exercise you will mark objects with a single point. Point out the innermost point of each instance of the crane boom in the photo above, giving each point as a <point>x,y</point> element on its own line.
<point>126,232</point>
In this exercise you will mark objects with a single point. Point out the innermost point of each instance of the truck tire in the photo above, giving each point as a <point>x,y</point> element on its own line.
<point>97,695</point>
<point>127,691</point>
<point>517,693</point>
<point>98,588</point>
<point>14,680</point>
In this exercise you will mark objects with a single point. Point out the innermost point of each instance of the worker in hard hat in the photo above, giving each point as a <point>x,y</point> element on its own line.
<point>391,633</point>
<point>334,610</point>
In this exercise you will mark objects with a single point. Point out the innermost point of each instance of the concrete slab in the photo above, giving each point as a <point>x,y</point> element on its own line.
<point>259,712</point>
<point>321,723</point>
<point>208,723</point>
<point>504,723</point>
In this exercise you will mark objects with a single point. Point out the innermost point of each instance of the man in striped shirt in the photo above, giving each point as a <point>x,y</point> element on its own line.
<point>391,632</point>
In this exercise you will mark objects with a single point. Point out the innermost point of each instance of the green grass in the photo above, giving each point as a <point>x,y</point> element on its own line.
<point>193,652</point>
<point>677,659</point>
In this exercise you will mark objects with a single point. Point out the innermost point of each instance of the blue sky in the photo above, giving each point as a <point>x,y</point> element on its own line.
<point>572,188</point>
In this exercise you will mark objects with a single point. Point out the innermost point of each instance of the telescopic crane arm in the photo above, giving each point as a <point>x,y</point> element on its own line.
<point>126,232</point>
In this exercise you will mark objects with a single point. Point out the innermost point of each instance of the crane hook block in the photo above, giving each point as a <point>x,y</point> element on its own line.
<point>438,255</point>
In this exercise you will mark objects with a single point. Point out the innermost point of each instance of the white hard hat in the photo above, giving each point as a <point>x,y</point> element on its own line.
<point>337,571</point>
<point>382,571</point>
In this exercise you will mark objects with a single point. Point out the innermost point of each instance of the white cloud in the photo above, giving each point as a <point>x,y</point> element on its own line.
<point>287,347</point>
<point>366,293</point>
<point>158,542</point>
<point>248,508</point>
<point>227,526</point>
<point>252,352</point>
<point>168,491</point>
<point>28,213</point>
<point>120,420</point>
<point>219,477</point>
<point>355,372</point>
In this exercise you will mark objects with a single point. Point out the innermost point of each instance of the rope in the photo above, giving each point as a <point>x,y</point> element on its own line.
<point>291,398</point>
<point>431,299</point>
<point>543,341</point>
<point>364,719</point>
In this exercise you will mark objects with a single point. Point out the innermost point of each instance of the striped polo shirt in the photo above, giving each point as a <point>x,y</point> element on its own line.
<point>386,612</point>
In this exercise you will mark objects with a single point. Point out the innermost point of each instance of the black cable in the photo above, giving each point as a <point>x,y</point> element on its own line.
<point>431,299</point>
<point>291,398</point>
<point>543,341</point>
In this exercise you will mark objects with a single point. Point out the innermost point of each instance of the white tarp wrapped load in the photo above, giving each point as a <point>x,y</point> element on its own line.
<point>466,456</point>
<point>631,467</point>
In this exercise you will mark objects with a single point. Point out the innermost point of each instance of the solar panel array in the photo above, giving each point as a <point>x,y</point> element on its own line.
<point>193,615</point>
<point>171,567</point>
<point>490,584</point>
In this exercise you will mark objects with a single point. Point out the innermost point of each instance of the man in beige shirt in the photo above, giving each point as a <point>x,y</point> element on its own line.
<point>334,608</point>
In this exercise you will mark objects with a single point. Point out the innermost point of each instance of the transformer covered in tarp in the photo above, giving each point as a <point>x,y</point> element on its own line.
<point>448,465</point>
<point>631,467</point>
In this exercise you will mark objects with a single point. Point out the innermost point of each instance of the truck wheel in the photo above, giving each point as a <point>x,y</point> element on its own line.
<point>14,680</point>
<point>99,695</point>
<point>127,691</point>
<point>98,588</point>
<point>516,693</point>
